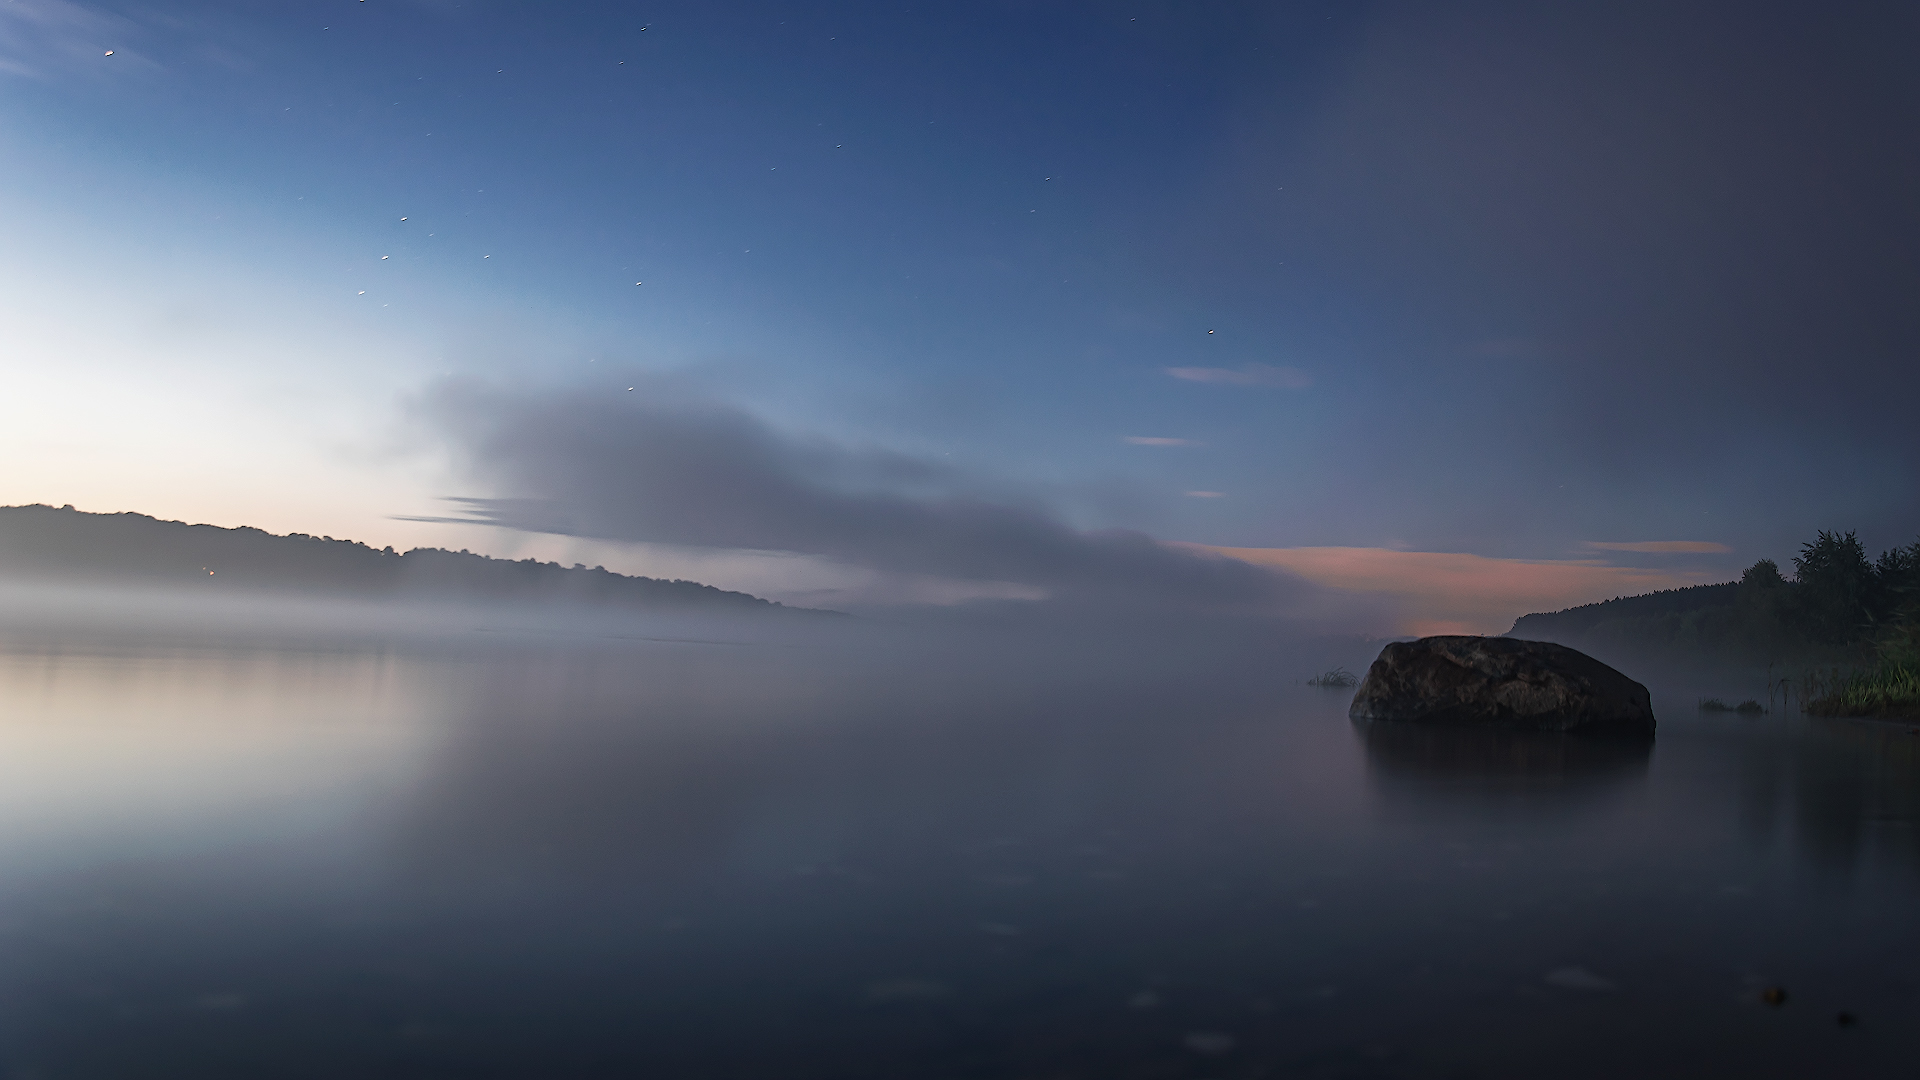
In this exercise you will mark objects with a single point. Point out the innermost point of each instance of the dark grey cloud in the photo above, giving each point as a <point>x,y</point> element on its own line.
<point>1632,262</point>
<point>652,465</point>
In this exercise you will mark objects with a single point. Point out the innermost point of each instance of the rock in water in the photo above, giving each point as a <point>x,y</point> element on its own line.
<point>1501,682</point>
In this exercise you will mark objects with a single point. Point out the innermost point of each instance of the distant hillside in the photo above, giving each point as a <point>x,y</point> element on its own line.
<point>1691,601</point>
<point>61,544</point>
<point>1728,621</point>
<point>1837,604</point>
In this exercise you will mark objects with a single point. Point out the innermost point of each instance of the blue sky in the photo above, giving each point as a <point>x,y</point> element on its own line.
<point>1488,280</point>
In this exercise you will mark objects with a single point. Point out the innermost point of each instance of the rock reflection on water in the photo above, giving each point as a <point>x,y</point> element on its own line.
<point>1422,762</point>
<point>1836,793</point>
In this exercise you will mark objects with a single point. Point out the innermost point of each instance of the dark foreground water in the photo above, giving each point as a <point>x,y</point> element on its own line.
<point>716,859</point>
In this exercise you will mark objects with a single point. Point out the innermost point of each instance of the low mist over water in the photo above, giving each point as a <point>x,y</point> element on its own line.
<point>884,850</point>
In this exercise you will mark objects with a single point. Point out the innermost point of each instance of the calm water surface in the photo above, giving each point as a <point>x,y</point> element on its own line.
<point>708,858</point>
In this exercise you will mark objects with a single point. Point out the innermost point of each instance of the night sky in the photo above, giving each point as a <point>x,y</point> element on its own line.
<point>1484,307</point>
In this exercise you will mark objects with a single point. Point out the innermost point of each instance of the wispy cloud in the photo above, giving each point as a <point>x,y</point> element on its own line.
<point>1205,494</point>
<point>650,468</point>
<point>1246,375</point>
<point>38,36</point>
<point>1661,547</point>
<point>1448,592</point>
<point>1156,440</point>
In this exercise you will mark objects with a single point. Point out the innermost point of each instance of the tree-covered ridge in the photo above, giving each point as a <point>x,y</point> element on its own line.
<point>60,544</point>
<point>1837,600</point>
<point>1842,597</point>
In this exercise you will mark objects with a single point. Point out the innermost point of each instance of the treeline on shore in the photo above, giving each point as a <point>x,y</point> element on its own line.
<point>1840,610</point>
<point>61,545</point>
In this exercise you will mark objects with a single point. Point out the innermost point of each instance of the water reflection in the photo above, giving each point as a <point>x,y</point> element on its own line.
<point>666,769</point>
<point>591,799</point>
<point>1419,763</point>
<point>656,858</point>
<point>184,748</point>
<point>1842,793</point>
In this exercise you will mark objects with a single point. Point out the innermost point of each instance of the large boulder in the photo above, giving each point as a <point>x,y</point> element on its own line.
<point>1500,682</point>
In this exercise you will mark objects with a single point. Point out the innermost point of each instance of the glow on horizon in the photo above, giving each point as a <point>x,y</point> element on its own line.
<point>1456,593</point>
<point>1661,547</point>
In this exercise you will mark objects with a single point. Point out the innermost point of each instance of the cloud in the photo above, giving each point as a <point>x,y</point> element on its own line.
<point>1205,494</point>
<point>1465,150</point>
<point>657,468</point>
<point>1155,440</point>
<point>1246,375</point>
<point>1445,592</point>
<point>1696,547</point>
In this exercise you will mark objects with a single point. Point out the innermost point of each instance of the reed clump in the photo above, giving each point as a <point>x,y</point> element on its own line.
<point>1338,676</point>
<point>1881,691</point>
<point>1891,687</point>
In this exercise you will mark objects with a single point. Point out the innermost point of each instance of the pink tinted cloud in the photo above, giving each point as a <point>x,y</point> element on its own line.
<point>1661,547</point>
<point>1246,375</point>
<point>1450,593</point>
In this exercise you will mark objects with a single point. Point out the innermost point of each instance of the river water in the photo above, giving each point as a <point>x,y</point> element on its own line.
<point>708,857</point>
